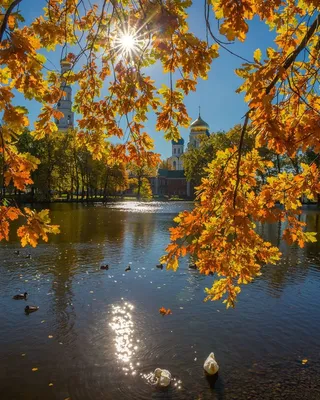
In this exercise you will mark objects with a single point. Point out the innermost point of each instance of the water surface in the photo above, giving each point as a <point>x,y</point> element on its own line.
<point>98,334</point>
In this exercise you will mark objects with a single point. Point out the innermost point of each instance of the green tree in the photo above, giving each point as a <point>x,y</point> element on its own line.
<point>139,174</point>
<point>196,159</point>
<point>165,164</point>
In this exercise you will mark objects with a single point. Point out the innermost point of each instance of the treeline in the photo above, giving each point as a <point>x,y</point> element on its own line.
<point>67,170</point>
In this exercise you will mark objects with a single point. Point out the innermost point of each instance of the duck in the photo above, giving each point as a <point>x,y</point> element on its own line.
<point>159,266</point>
<point>192,266</point>
<point>17,252</point>
<point>20,296</point>
<point>29,309</point>
<point>163,377</point>
<point>104,266</point>
<point>128,268</point>
<point>210,365</point>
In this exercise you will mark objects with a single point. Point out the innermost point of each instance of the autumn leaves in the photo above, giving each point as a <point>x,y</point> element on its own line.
<point>37,225</point>
<point>284,116</point>
<point>280,88</point>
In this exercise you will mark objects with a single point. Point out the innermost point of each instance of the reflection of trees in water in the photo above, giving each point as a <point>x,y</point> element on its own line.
<point>87,236</point>
<point>140,227</point>
<point>113,231</point>
<point>98,226</point>
<point>81,223</point>
<point>293,266</point>
<point>62,308</point>
<point>313,225</point>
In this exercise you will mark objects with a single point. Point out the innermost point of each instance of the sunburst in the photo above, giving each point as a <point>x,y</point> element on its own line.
<point>129,43</point>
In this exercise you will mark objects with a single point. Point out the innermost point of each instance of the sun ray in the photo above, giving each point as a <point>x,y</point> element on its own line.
<point>129,43</point>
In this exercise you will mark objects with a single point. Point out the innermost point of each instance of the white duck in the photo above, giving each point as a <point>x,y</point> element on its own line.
<point>210,365</point>
<point>163,377</point>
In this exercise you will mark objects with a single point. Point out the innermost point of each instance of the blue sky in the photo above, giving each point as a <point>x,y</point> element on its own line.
<point>221,107</point>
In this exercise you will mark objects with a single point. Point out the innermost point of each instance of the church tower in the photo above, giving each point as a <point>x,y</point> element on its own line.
<point>65,102</point>
<point>198,128</point>
<point>177,152</point>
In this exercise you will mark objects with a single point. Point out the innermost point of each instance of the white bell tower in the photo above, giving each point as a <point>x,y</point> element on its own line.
<point>65,102</point>
<point>177,154</point>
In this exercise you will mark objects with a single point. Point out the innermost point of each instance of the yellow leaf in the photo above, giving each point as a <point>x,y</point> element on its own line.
<point>50,336</point>
<point>35,369</point>
<point>304,361</point>
<point>173,264</point>
<point>257,55</point>
<point>11,22</point>
<point>50,384</point>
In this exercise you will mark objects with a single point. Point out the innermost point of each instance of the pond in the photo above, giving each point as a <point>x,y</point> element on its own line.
<point>98,334</point>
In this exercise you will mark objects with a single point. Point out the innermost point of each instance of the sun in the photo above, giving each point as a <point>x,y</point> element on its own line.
<point>128,43</point>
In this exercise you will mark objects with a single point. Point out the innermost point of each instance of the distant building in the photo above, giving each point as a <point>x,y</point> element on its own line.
<point>175,160</point>
<point>198,128</point>
<point>170,183</point>
<point>173,182</point>
<point>65,102</point>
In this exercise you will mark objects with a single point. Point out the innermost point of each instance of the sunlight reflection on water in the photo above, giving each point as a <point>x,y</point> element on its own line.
<point>146,207</point>
<point>126,345</point>
<point>135,206</point>
<point>123,326</point>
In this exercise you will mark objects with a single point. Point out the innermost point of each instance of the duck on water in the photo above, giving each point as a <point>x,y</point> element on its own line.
<point>20,296</point>
<point>30,309</point>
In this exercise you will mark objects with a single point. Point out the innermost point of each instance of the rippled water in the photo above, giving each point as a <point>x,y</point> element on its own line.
<point>98,334</point>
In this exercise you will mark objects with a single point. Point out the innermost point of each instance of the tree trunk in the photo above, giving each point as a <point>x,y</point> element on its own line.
<point>71,193</point>
<point>105,188</point>
<point>139,188</point>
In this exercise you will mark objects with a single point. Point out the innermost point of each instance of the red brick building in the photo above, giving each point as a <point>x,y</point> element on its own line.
<point>170,183</point>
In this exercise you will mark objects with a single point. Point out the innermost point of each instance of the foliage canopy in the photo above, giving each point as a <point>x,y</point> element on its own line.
<point>281,89</point>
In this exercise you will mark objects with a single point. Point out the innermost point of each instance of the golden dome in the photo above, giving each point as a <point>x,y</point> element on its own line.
<point>66,62</point>
<point>199,125</point>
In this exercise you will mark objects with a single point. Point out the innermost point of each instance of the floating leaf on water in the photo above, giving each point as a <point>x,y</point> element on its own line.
<point>23,354</point>
<point>34,369</point>
<point>50,384</point>
<point>43,321</point>
<point>304,361</point>
<point>50,336</point>
<point>164,311</point>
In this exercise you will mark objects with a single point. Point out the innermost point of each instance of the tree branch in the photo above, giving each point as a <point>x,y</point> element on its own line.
<point>239,157</point>
<point>295,54</point>
<point>6,17</point>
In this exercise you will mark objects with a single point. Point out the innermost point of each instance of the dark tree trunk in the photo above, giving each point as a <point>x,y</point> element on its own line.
<point>72,189</point>
<point>139,188</point>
